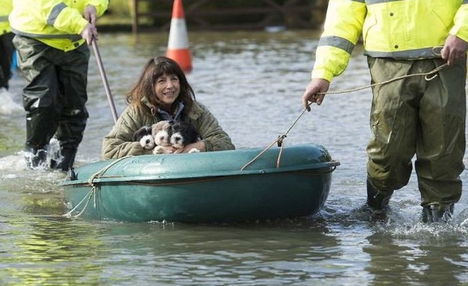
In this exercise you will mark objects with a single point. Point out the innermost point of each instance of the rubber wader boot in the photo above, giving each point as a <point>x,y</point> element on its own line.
<point>68,158</point>
<point>436,213</point>
<point>376,199</point>
<point>35,158</point>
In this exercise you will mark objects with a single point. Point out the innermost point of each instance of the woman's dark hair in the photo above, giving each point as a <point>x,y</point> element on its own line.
<point>153,69</point>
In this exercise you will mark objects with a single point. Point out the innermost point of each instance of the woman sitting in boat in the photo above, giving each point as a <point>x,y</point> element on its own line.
<point>163,93</point>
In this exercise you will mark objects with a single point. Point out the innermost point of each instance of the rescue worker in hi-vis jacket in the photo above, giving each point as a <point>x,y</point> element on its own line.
<point>51,37</point>
<point>6,46</point>
<point>412,116</point>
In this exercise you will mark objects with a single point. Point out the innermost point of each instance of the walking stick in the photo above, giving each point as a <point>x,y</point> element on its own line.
<point>104,79</point>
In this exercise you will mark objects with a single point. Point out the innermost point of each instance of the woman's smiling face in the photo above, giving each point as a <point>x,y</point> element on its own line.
<point>167,89</point>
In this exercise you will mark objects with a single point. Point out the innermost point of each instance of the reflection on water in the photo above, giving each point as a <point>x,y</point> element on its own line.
<point>54,250</point>
<point>428,259</point>
<point>252,82</point>
<point>49,251</point>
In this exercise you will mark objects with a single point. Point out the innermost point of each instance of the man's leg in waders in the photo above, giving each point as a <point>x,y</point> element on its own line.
<point>441,146</point>
<point>393,124</point>
<point>73,96</point>
<point>39,98</point>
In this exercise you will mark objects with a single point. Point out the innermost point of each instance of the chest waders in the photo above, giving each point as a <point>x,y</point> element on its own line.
<point>54,98</point>
<point>425,119</point>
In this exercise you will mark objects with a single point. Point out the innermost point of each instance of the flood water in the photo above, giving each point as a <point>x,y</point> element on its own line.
<point>253,83</point>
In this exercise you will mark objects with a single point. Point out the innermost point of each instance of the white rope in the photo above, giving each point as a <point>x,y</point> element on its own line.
<point>428,76</point>
<point>87,196</point>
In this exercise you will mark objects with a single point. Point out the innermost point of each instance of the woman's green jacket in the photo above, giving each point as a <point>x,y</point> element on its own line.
<point>119,142</point>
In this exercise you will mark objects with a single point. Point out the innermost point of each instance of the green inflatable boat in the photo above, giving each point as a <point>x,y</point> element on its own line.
<point>224,186</point>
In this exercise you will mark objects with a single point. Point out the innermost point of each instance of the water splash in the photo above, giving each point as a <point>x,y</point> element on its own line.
<point>8,106</point>
<point>53,154</point>
<point>15,174</point>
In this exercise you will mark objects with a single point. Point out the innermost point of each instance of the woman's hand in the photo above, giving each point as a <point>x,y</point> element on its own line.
<point>200,146</point>
<point>164,150</point>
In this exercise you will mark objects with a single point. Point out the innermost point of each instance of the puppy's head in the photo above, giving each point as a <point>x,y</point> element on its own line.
<point>182,134</point>
<point>161,133</point>
<point>144,136</point>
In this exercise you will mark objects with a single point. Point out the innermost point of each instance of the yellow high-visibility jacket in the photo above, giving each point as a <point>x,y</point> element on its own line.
<point>399,29</point>
<point>5,9</point>
<point>57,23</point>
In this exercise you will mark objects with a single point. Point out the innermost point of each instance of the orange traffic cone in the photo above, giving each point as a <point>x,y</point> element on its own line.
<point>178,47</point>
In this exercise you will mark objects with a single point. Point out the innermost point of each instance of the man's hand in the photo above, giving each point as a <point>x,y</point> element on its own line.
<point>89,33</point>
<point>315,92</point>
<point>90,14</point>
<point>454,49</point>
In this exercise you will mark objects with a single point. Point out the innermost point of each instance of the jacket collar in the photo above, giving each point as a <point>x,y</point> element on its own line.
<point>194,114</point>
<point>177,116</point>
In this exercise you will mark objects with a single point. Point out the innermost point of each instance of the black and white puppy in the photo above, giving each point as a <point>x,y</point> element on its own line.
<point>183,134</point>
<point>145,137</point>
<point>162,136</point>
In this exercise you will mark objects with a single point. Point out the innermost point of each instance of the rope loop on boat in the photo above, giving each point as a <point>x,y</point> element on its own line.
<point>428,76</point>
<point>101,172</point>
<point>92,192</point>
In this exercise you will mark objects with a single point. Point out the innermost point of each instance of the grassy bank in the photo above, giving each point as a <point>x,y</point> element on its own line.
<point>119,13</point>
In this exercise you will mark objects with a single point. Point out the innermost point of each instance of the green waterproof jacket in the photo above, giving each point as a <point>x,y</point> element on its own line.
<point>56,23</point>
<point>5,9</point>
<point>408,30</point>
<point>119,142</point>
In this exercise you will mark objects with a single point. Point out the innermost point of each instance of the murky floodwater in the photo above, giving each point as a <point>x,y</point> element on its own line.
<point>253,83</point>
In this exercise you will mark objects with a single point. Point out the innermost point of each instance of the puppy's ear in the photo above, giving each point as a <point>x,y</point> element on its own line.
<point>192,133</point>
<point>140,133</point>
<point>189,131</point>
<point>161,125</point>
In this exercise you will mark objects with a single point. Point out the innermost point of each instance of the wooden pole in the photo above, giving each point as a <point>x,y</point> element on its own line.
<point>135,19</point>
<point>104,80</point>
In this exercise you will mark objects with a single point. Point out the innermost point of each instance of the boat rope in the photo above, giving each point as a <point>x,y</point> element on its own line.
<point>88,196</point>
<point>92,192</point>
<point>428,76</point>
<point>101,172</point>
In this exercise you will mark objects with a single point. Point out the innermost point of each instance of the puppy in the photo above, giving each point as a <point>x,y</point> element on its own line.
<point>183,134</point>
<point>145,137</point>
<point>162,133</point>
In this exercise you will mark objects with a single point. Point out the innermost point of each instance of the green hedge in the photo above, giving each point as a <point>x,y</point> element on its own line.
<point>120,12</point>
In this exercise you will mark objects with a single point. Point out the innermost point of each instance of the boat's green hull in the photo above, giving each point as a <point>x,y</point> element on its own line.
<point>205,187</point>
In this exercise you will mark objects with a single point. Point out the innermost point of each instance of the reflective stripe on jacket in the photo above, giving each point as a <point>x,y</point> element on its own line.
<point>5,9</point>
<point>57,23</point>
<point>400,29</point>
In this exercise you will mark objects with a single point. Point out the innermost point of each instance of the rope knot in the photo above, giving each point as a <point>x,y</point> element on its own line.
<point>280,139</point>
